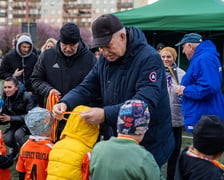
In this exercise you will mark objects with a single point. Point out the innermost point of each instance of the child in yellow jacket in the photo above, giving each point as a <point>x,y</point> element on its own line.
<point>77,138</point>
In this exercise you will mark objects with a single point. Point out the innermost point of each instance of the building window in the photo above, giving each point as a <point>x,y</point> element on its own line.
<point>52,20</point>
<point>97,10</point>
<point>105,10</point>
<point>112,10</point>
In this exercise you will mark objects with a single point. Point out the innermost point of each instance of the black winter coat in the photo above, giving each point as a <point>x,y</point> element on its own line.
<point>192,168</point>
<point>17,106</point>
<point>5,161</point>
<point>56,71</point>
<point>14,60</point>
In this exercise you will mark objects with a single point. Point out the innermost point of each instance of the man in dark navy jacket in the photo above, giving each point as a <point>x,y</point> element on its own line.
<point>127,69</point>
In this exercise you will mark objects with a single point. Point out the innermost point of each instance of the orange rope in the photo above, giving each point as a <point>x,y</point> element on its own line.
<point>52,99</point>
<point>70,112</point>
<point>192,153</point>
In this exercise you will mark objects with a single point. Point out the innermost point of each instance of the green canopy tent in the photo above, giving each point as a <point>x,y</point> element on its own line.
<point>176,15</point>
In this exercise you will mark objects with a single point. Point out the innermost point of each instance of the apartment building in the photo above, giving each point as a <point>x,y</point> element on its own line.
<point>58,12</point>
<point>3,12</point>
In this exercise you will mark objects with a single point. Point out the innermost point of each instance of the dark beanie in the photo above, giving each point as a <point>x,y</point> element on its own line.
<point>69,34</point>
<point>208,135</point>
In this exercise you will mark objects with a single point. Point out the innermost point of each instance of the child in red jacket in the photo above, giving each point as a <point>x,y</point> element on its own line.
<point>5,161</point>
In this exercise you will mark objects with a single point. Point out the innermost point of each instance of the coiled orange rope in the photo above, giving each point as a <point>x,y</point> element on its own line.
<point>52,99</point>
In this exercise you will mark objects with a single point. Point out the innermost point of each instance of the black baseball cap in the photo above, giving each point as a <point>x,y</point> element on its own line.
<point>103,29</point>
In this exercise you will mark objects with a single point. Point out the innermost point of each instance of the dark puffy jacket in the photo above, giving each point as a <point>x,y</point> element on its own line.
<point>14,59</point>
<point>56,71</point>
<point>193,168</point>
<point>17,106</point>
<point>139,74</point>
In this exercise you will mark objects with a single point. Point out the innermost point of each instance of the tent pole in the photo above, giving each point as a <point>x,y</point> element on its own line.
<point>178,60</point>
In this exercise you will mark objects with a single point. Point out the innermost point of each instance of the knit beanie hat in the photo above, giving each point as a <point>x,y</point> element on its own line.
<point>133,118</point>
<point>70,34</point>
<point>171,50</point>
<point>208,135</point>
<point>39,121</point>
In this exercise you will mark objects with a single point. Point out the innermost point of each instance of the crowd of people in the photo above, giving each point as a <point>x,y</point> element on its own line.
<point>119,113</point>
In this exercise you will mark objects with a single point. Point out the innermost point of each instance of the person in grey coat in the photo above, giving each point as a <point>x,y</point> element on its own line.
<point>174,76</point>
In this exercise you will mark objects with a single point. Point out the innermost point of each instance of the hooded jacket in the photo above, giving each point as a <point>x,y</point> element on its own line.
<point>14,59</point>
<point>56,71</point>
<point>139,74</point>
<point>17,106</point>
<point>203,79</point>
<point>77,138</point>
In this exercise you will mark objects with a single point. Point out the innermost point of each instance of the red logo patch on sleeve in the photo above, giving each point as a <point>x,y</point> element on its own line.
<point>153,76</point>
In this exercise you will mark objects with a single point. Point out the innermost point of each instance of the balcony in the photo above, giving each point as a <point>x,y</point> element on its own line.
<point>19,7</point>
<point>69,15</point>
<point>124,5</point>
<point>19,15</point>
<point>67,1</point>
<point>3,14</point>
<point>84,6</point>
<point>34,1</point>
<point>84,13</point>
<point>3,7</point>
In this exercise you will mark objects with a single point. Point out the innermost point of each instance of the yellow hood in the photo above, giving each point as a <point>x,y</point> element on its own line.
<point>77,128</point>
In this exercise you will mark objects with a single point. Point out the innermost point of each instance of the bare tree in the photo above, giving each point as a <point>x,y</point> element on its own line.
<point>86,36</point>
<point>44,31</point>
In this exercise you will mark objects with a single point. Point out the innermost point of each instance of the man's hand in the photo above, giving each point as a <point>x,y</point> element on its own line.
<point>94,116</point>
<point>5,118</point>
<point>55,91</point>
<point>58,110</point>
<point>180,90</point>
<point>17,73</point>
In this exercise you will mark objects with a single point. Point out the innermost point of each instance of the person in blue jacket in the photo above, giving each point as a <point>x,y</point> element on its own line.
<point>128,68</point>
<point>201,86</point>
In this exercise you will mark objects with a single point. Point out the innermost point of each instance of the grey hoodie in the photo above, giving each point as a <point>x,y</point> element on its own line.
<point>22,39</point>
